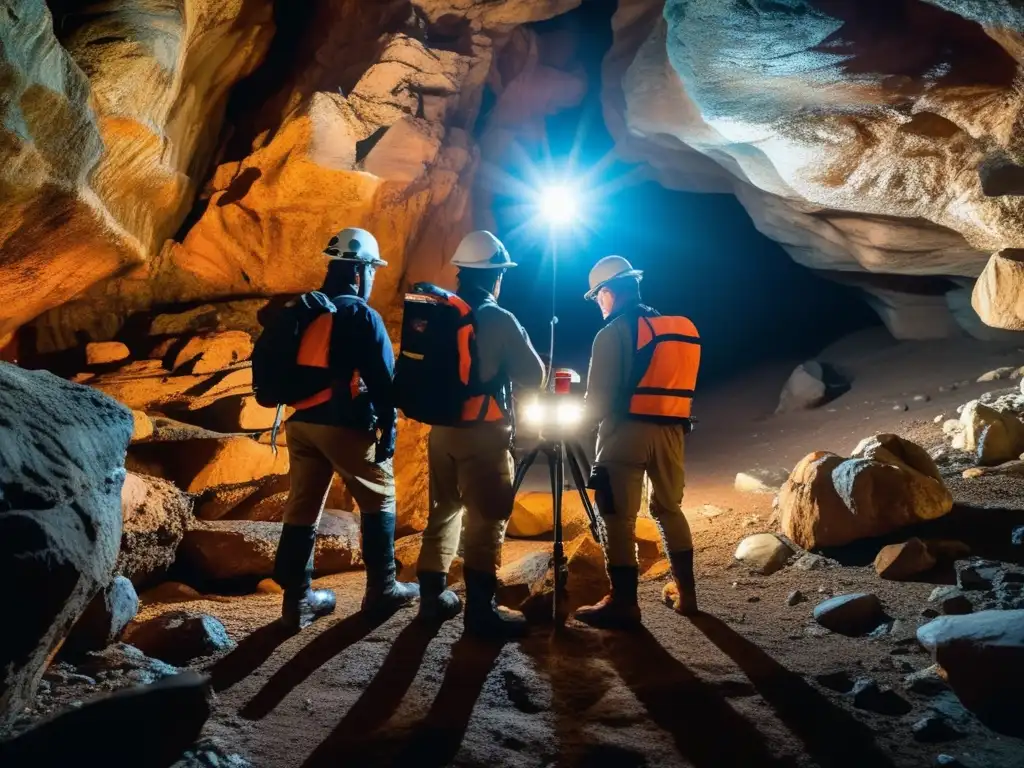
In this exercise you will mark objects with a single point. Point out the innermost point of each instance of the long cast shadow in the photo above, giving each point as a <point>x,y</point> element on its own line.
<point>436,739</point>
<point>381,698</point>
<point>833,737</point>
<point>707,731</point>
<point>251,653</point>
<point>318,652</point>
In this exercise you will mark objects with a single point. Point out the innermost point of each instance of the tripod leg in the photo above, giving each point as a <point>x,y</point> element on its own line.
<point>555,456</point>
<point>581,486</point>
<point>523,468</point>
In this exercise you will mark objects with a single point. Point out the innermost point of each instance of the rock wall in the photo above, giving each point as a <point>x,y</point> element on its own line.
<point>361,115</point>
<point>865,137</point>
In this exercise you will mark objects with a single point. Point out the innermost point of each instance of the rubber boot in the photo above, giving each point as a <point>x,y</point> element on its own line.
<point>383,593</point>
<point>437,602</point>
<point>483,617</point>
<point>293,571</point>
<point>680,594</point>
<point>619,608</point>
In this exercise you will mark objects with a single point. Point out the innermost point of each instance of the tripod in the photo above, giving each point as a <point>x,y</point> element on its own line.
<point>560,452</point>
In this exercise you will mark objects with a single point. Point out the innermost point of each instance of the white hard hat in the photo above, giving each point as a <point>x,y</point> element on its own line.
<point>481,250</point>
<point>607,269</point>
<point>355,245</point>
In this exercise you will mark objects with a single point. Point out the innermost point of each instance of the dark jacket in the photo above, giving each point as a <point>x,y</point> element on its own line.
<point>359,342</point>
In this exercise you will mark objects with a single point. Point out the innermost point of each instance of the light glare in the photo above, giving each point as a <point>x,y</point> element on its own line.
<point>559,205</point>
<point>569,413</point>
<point>534,413</point>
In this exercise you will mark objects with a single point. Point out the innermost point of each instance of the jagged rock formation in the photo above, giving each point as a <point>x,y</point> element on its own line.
<point>870,139</point>
<point>362,114</point>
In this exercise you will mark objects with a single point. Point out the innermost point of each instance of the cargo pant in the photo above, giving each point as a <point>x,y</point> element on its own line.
<point>471,469</point>
<point>316,452</point>
<point>625,453</point>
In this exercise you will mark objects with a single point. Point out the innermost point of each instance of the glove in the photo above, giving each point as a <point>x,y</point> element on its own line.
<point>385,446</point>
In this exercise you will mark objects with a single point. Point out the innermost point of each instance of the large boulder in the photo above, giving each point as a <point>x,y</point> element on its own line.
<point>887,484</point>
<point>995,436</point>
<point>241,549</point>
<point>62,448</point>
<point>155,514</point>
<point>982,655</point>
<point>221,472</point>
<point>117,729</point>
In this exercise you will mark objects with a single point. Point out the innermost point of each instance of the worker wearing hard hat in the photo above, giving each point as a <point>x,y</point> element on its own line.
<point>346,424</point>
<point>643,371</point>
<point>471,463</point>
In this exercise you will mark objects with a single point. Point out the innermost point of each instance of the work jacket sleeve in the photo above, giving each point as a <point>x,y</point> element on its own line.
<point>522,363</point>
<point>603,376</point>
<point>378,371</point>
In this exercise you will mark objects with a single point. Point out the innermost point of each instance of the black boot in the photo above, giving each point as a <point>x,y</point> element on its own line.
<point>293,571</point>
<point>680,594</point>
<point>484,618</point>
<point>619,608</point>
<point>436,602</point>
<point>383,592</point>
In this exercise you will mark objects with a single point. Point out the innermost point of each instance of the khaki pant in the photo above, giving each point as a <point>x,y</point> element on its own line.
<point>471,468</point>
<point>625,453</point>
<point>316,452</point>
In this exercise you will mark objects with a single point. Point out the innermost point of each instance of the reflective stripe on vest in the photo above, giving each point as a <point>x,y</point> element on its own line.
<point>671,347</point>
<point>315,351</point>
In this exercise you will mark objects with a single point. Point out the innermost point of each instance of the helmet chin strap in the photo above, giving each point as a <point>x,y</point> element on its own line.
<point>364,293</point>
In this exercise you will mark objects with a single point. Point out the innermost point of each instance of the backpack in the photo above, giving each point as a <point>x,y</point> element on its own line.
<point>436,371</point>
<point>277,378</point>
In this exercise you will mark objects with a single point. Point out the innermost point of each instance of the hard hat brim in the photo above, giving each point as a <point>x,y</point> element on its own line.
<point>371,262</point>
<point>484,265</point>
<point>592,293</point>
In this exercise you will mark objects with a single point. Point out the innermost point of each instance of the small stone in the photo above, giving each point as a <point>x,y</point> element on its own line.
<point>974,472</point>
<point>710,510</point>
<point>810,562</point>
<point>104,352</point>
<point>1004,372</point>
<point>939,419</point>
<point>840,681</point>
<point>852,615</point>
<point>761,480</point>
<point>948,761</point>
<point>970,577</point>
<point>952,427</point>
<point>952,602</point>
<point>795,597</point>
<point>901,407</point>
<point>922,398</point>
<point>178,637</point>
<point>269,587</point>
<point>933,729</point>
<point>899,562</point>
<point>1017,537</point>
<point>763,552</point>
<point>926,682</point>
<point>867,694</point>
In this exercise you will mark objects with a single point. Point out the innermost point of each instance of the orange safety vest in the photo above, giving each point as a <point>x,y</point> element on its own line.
<point>315,351</point>
<point>665,367</point>
<point>477,408</point>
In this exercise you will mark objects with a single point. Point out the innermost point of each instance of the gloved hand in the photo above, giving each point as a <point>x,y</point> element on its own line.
<point>385,446</point>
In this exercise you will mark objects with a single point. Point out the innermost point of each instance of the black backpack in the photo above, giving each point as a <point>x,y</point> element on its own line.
<point>436,371</point>
<point>277,379</point>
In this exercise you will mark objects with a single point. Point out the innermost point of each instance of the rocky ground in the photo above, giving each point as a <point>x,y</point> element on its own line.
<point>770,674</point>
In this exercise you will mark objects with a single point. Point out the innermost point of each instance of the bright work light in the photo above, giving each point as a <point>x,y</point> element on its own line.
<point>559,205</point>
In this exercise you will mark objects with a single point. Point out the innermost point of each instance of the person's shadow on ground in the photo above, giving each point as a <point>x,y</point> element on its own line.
<point>833,737</point>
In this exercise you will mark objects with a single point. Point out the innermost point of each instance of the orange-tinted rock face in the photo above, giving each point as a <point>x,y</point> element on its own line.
<point>361,116</point>
<point>108,135</point>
